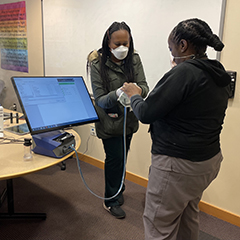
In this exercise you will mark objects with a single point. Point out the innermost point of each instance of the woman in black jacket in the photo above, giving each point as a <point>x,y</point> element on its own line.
<point>185,111</point>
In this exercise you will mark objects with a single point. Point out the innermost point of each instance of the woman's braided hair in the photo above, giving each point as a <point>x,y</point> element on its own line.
<point>198,33</point>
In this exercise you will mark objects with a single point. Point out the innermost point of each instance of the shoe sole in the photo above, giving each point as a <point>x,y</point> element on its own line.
<point>107,209</point>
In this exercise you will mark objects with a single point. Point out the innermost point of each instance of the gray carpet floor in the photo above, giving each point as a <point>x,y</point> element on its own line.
<point>73,213</point>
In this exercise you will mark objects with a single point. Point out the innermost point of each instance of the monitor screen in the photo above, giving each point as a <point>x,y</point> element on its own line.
<point>52,103</point>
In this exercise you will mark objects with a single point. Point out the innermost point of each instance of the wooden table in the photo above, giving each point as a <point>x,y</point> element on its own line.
<point>13,165</point>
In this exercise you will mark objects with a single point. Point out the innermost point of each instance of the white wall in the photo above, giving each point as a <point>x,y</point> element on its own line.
<point>73,28</point>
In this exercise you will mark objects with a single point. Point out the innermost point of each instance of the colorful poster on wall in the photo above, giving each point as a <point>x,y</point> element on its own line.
<point>13,37</point>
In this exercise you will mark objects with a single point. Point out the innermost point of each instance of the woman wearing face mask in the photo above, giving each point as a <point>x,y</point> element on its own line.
<point>111,66</point>
<point>185,111</point>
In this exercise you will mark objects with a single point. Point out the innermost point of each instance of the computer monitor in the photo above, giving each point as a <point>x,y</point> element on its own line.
<point>54,103</point>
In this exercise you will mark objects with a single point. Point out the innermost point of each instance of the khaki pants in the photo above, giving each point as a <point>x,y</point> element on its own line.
<point>174,190</point>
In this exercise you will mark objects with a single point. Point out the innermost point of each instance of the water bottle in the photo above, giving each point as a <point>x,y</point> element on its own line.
<point>27,149</point>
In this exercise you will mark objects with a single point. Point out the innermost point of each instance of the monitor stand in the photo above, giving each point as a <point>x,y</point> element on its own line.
<point>53,144</point>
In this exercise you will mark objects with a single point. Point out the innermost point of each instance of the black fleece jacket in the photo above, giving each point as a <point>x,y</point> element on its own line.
<point>186,110</point>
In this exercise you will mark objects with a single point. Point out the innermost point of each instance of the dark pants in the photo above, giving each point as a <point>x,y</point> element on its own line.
<point>113,167</point>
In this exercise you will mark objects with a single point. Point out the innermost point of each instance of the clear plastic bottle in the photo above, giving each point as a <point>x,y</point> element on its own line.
<point>1,122</point>
<point>27,149</point>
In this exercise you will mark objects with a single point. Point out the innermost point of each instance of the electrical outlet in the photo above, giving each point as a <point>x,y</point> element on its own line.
<point>93,130</point>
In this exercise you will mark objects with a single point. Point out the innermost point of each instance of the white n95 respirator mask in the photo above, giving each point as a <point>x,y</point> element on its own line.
<point>120,52</point>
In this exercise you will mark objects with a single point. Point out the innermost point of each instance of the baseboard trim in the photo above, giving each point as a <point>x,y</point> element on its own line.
<point>203,206</point>
<point>219,213</point>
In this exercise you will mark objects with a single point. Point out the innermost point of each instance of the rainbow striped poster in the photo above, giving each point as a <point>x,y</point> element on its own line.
<point>13,37</point>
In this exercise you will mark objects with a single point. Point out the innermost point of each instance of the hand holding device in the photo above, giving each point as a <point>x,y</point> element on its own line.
<point>131,89</point>
<point>124,100</point>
